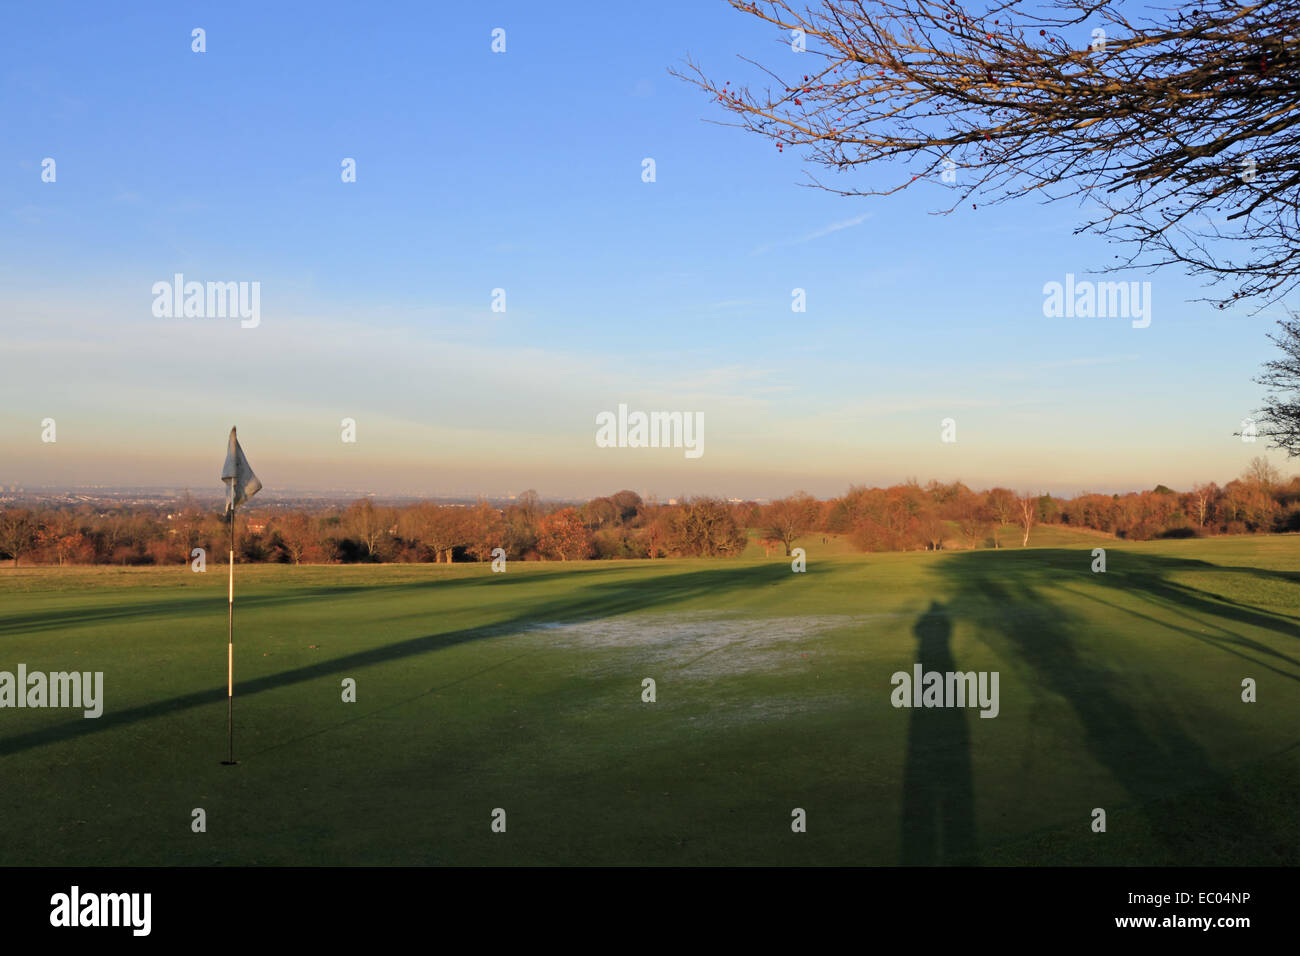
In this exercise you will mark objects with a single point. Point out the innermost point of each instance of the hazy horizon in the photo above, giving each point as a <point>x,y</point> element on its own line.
<point>216,490</point>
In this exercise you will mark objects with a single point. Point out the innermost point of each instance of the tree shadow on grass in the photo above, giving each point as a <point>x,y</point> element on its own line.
<point>598,599</point>
<point>250,595</point>
<point>1008,597</point>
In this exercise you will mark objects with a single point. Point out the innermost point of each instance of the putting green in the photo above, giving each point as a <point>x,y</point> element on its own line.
<point>524,691</point>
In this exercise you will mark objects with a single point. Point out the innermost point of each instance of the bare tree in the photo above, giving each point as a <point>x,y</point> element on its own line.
<point>974,521</point>
<point>368,523</point>
<point>1203,495</point>
<point>1028,507</point>
<point>932,526</point>
<point>1001,503</point>
<point>17,531</point>
<point>529,504</point>
<point>1180,126</point>
<point>1261,472</point>
<point>1281,414</point>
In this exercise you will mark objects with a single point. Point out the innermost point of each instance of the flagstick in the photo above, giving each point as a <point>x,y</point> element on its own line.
<point>230,650</point>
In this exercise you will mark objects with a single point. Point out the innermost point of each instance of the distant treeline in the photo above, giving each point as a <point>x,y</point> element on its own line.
<point>902,517</point>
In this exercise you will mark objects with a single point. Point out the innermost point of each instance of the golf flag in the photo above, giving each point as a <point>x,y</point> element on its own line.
<point>241,483</point>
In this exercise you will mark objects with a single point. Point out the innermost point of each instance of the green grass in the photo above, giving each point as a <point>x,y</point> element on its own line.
<point>1118,690</point>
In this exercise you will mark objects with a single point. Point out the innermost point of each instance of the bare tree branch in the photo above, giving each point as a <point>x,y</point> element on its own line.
<point>1181,127</point>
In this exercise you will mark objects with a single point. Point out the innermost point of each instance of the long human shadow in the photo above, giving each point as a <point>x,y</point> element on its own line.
<point>599,599</point>
<point>938,792</point>
<point>1008,597</point>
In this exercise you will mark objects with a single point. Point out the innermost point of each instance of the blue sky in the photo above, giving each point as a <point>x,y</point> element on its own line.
<point>522,171</point>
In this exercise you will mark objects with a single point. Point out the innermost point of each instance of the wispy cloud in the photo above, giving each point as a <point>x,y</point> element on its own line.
<point>824,231</point>
<point>1097,360</point>
<point>29,214</point>
<point>734,303</point>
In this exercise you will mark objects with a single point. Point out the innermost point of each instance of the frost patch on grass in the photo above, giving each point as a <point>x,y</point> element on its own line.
<point>744,713</point>
<point>699,645</point>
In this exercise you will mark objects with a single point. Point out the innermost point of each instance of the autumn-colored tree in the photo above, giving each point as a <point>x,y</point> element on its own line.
<point>1248,504</point>
<point>1150,514</point>
<point>563,535</point>
<point>620,542</point>
<point>844,514</point>
<point>932,526</point>
<point>1087,511</point>
<point>487,531</point>
<point>901,517</point>
<point>438,529</point>
<point>657,531</point>
<point>1289,494</point>
<point>600,513</point>
<point>888,519</point>
<point>622,509</point>
<point>629,505</point>
<point>59,540</point>
<point>704,527</point>
<point>946,493</point>
<point>788,519</point>
<point>297,535</point>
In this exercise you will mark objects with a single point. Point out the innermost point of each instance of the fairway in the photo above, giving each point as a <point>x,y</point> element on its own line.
<point>523,691</point>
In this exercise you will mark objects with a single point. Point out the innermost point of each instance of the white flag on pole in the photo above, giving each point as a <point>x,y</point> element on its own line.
<point>241,483</point>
